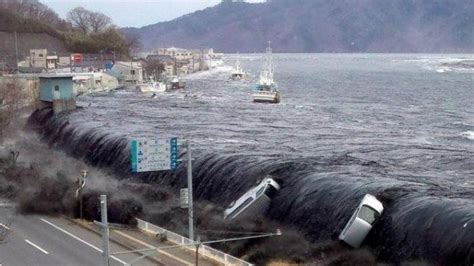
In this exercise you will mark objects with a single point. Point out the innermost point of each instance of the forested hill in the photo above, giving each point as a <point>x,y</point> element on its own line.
<point>444,26</point>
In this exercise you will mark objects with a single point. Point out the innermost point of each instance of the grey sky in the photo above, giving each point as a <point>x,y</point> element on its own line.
<point>134,13</point>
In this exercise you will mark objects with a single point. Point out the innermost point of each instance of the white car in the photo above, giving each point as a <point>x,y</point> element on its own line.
<point>255,202</point>
<point>360,224</point>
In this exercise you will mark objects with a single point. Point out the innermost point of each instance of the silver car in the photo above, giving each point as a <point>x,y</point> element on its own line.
<point>254,202</point>
<point>368,211</point>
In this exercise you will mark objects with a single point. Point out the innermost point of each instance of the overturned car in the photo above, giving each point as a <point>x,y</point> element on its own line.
<point>254,202</point>
<point>361,222</point>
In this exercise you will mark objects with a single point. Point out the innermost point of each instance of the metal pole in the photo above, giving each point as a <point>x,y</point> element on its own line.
<point>197,250</point>
<point>16,51</point>
<point>80,205</point>
<point>105,229</point>
<point>190,190</point>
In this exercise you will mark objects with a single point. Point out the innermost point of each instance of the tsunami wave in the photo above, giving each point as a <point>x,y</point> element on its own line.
<point>422,220</point>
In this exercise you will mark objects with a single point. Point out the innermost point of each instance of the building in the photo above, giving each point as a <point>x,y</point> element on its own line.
<point>93,82</point>
<point>129,72</point>
<point>38,58</point>
<point>26,87</point>
<point>52,61</point>
<point>57,91</point>
<point>176,53</point>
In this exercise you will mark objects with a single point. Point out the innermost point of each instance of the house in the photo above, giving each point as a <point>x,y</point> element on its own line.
<point>176,53</point>
<point>52,61</point>
<point>38,58</point>
<point>94,81</point>
<point>131,72</point>
<point>57,91</point>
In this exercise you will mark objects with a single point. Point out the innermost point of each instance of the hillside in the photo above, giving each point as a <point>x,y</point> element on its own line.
<point>31,34</point>
<point>321,26</point>
<point>37,26</point>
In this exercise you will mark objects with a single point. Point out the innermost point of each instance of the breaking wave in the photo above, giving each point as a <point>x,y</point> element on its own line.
<point>422,220</point>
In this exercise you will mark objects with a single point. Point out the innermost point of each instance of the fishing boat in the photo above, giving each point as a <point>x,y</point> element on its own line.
<point>237,73</point>
<point>177,84</point>
<point>151,86</point>
<point>266,89</point>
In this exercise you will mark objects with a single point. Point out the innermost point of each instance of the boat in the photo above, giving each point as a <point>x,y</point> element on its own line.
<point>237,73</point>
<point>151,86</point>
<point>266,89</point>
<point>177,84</point>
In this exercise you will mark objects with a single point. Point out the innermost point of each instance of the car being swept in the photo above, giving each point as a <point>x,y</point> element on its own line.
<point>254,202</point>
<point>361,222</point>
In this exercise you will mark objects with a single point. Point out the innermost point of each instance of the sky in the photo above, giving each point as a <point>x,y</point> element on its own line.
<point>134,13</point>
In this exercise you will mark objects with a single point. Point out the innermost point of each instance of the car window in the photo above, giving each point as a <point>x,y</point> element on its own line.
<point>260,191</point>
<point>368,214</point>
<point>242,206</point>
<point>270,191</point>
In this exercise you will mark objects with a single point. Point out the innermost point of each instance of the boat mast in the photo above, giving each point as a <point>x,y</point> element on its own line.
<point>269,58</point>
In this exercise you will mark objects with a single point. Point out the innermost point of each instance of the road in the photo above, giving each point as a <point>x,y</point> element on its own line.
<point>44,240</point>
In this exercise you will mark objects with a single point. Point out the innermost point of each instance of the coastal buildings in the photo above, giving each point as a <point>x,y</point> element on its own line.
<point>128,72</point>
<point>57,91</point>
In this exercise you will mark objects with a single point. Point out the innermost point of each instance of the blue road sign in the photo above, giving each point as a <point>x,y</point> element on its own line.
<point>154,155</point>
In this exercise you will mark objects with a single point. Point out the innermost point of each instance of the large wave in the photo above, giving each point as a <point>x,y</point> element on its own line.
<point>421,220</point>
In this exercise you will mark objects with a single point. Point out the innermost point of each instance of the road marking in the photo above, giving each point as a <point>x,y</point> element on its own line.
<point>36,246</point>
<point>80,240</point>
<point>150,246</point>
<point>4,226</point>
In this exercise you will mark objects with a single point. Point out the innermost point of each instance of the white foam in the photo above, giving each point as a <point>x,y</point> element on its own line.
<point>468,135</point>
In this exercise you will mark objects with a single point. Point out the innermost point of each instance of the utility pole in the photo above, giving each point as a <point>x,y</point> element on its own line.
<point>16,51</point>
<point>105,229</point>
<point>198,244</point>
<point>190,190</point>
<point>81,182</point>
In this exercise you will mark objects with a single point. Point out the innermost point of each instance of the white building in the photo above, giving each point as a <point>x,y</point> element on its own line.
<point>177,53</point>
<point>132,72</point>
<point>38,58</point>
<point>94,81</point>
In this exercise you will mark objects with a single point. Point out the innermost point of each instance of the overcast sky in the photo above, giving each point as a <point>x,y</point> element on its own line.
<point>134,13</point>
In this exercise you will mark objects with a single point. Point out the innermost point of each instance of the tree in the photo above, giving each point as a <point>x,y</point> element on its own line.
<point>154,67</point>
<point>88,21</point>
<point>99,22</point>
<point>79,17</point>
<point>11,95</point>
<point>133,41</point>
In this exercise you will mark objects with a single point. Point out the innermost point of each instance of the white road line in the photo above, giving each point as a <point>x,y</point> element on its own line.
<point>6,227</point>
<point>36,246</point>
<point>150,246</point>
<point>80,240</point>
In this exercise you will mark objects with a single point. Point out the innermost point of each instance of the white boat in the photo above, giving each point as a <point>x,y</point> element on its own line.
<point>177,84</point>
<point>266,89</point>
<point>237,73</point>
<point>151,86</point>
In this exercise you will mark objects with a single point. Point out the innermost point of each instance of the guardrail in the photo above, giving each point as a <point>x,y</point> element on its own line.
<point>204,250</point>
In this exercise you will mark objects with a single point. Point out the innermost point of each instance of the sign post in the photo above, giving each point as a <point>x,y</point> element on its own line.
<point>190,189</point>
<point>158,155</point>
<point>154,155</point>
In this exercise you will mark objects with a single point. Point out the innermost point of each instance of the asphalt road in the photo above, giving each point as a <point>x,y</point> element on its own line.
<point>42,240</point>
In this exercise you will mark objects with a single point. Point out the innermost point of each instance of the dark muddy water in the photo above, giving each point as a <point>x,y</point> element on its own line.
<point>400,127</point>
